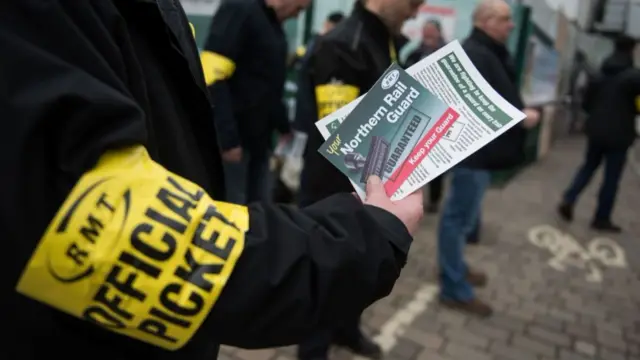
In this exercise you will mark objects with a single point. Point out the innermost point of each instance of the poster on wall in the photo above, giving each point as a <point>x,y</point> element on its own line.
<point>446,15</point>
<point>541,73</point>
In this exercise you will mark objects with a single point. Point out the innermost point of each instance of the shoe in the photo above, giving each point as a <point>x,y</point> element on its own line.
<point>606,226</point>
<point>477,279</point>
<point>566,211</point>
<point>364,347</point>
<point>473,307</point>
<point>473,240</point>
<point>432,208</point>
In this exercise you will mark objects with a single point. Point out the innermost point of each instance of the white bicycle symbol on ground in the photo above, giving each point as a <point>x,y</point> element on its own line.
<point>567,251</point>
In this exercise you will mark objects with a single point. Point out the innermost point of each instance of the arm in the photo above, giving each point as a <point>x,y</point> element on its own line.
<point>332,83</point>
<point>306,113</point>
<point>219,57</point>
<point>143,252</point>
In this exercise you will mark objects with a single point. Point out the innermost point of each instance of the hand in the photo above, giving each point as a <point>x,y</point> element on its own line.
<point>532,119</point>
<point>409,210</point>
<point>233,155</point>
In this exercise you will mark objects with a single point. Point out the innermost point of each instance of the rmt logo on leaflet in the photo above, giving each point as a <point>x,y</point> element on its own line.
<point>390,80</point>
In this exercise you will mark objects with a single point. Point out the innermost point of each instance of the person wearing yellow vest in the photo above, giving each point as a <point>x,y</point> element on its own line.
<point>343,65</point>
<point>117,241</point>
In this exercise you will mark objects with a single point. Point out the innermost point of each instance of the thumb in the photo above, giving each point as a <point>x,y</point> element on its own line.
<point>375,187</point>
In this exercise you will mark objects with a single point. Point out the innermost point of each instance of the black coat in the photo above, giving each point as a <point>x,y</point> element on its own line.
<point>249,104</point>
<point>610,101</point>
<point>82,81</point>
<point>495,64</point>
<point>350,59</point>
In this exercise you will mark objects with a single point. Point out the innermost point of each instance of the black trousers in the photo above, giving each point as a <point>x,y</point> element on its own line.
<point>614,162</point>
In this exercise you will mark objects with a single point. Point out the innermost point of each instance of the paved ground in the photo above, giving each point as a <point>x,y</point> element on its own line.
<point>560,292</point>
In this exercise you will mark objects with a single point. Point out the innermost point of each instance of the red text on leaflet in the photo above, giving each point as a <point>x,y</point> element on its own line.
<point>418,154</point>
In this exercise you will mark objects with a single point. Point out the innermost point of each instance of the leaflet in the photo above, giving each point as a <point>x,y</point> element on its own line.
<point>414,125</point>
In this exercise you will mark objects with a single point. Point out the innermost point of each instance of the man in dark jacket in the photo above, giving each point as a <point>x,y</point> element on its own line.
<point>611,104</point>
<point>119,247</point>
<point>344,64</point>
<point>486,49</point>
<point>244,62</point>
<point>306,113</point>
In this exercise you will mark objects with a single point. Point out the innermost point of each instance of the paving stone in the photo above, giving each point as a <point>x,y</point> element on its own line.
<point>426,339</point>
<point>377,321</point>
<point>428,322</point>
<point>569,355</point>
<point>511,353</point>
<point>488,330</point>
<point>265,354</point>
<point>507,322</point>
<point>538,347</point>
<point>406,349</point>
<point>449,317</point>
<point>549,322</point>
<point>612,354</point>
<point>633,337</point>
<point>520,313</point>
<point>222,356</point>
<point>563,315</point>
<point>580,331</point>
<point>549,336</point>
<point>466,338</point>
<point>227,350</point>
<point>458,351</point>
<point>586,348</point>
<point>611,340</point>
<point>429,354</point>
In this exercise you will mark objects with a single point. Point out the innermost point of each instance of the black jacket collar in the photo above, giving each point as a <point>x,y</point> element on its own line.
<point>496,47</point>
<point>372,23</point>
<point>271,13</point>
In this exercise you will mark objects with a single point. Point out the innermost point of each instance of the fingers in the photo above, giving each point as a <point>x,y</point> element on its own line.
<point>374,187</point>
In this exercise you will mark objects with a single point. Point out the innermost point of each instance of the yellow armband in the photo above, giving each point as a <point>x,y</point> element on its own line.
<point>216,67</point>
<point>138,250</point>
<point>331,97</point>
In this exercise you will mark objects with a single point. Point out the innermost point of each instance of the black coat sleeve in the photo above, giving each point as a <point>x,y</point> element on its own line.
<point>226,40</point>
<point>304,270</point>
<point>270,274</point>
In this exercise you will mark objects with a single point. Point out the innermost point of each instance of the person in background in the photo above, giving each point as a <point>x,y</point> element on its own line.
<point>344,64</point>
<point>112,181</point>
<point>610,101</point>
<point>578,81</point>
<point>306,113</point>
<point>432,40</point>
<point>249,89</point>
<point>470,179</point>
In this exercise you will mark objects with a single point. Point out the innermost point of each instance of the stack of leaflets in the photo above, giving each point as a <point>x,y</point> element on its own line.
<point>414,125</point>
